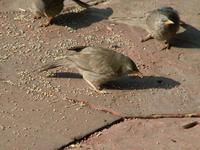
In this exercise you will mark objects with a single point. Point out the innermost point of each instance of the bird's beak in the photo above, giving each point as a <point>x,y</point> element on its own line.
<point>139,74</point>
<point>168,22</point>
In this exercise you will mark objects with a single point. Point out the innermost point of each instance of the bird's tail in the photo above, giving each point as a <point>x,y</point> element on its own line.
<point>77,48</point>
<point>82,4</point>
<point>57,63</point>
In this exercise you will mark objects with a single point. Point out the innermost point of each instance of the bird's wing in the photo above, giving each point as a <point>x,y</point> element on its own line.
<point>99,61</point>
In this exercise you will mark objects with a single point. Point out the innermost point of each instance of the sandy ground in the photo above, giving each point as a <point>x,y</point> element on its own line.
<point>46,111</point>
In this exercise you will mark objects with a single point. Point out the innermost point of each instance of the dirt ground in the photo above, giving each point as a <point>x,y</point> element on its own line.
<point>55,109</point>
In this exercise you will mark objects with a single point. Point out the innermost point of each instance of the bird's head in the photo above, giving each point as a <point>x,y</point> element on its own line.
<point>132,69</point>
<point>166,21</point>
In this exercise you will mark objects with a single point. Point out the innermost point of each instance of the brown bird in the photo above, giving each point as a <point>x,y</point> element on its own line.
<point>50,8</point>
<point>96,65</point>
<point>162,24</point>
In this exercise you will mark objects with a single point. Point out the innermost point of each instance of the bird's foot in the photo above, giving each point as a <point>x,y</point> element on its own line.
<point>45,24</point>
<point>148,37</point>
<point>36,17</point>
<point>166,46</point>
<point>82,4</point>
<point>99,91</point>
<point>102,91</point>
<point>96,88</point>
<point>182,23</point>
<point>50,22</point>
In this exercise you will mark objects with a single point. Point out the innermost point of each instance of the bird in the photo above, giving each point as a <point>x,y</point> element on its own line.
<point>162,24</point>
<point>49,9</point>
<point>97,65</point>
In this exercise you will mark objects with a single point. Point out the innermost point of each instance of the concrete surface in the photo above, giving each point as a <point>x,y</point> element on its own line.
<point>41,112</point>
<point>162,134</point>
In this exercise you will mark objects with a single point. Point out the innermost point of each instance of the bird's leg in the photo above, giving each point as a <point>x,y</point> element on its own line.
<point>50,19</point>
<point>37,15</point>
<point>166,46</point>
<point>182,23</point>
<point>148,37</point>
<point>95,88</point>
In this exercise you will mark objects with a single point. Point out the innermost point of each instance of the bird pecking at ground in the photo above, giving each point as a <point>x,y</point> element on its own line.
<point>97,65</point>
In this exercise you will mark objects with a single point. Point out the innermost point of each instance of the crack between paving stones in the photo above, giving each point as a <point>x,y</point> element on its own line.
<point>121,119</point>
<point>79,139</point>
<point>151,116</point>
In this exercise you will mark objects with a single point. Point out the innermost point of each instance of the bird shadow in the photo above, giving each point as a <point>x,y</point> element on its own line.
<point>129,83</point>
<point>84,18</point>
<point>137,83</point>
<point>189,38</point>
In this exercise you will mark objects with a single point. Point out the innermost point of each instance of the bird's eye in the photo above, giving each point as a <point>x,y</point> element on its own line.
<point>163,20</point>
